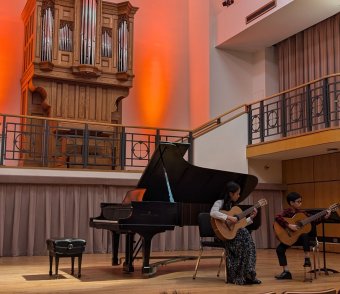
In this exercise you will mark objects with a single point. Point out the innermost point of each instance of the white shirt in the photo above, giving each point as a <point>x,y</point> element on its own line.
<point>215,212</point>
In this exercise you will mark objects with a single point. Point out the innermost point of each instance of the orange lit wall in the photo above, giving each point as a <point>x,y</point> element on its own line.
<point>171,62</point>
<point>160,93</point>
<point>11,42</point>
<point>199,54</point>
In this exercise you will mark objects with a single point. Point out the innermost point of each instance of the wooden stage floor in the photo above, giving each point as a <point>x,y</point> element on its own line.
<point>30,275</point>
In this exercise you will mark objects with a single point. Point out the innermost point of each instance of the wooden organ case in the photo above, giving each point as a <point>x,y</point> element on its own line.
<point>77,63</point>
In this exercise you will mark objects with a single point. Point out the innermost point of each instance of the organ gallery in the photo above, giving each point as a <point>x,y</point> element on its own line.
<point>77,60</point>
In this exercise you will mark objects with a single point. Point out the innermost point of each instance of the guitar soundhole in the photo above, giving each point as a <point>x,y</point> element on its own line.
<point>299,225</point>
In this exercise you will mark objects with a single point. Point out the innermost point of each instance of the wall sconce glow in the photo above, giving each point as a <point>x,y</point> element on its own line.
<point>154,93</point>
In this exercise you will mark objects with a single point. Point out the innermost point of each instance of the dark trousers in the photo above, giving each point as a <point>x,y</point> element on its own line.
<point>281,249</point>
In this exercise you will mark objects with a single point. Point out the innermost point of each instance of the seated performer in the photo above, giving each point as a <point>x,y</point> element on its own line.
<point>294,200</point>
<point>241,257</point>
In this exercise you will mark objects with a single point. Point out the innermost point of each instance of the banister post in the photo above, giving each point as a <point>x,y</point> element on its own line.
<point>122,149</point>
<point>250,125</point>
<point>157,138</point>
<point>283,116</point>
<point>45,144</point>
<point>262,121</point>
<point>326,102</point>
<point>86,146</point>
<point>3,141</point>
<point>191,149</point>
<point>309,110</point>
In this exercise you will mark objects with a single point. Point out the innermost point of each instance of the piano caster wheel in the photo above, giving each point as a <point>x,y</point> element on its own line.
<point>149,271</point>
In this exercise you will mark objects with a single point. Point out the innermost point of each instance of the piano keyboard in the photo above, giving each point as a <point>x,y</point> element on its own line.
<point>105,221</point>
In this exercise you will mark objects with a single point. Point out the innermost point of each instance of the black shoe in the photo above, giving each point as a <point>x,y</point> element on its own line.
<point>285,275</point>
<point>307,262</point>
<point>253,281</point>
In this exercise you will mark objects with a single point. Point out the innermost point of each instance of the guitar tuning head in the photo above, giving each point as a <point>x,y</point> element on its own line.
<point>262,202</point>
<point>334,206</point>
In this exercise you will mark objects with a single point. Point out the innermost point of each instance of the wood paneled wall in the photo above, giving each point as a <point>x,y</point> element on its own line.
<point>317,179</point>
<point>82,101</point>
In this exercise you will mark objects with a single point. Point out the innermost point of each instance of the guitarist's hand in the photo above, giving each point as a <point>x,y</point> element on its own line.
<point>254,213</point>
<point>231,219</point>
<point>328,214</point>
<point>294,228</point>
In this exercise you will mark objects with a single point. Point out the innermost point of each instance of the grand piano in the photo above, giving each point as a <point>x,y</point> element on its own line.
<point>174,193</point>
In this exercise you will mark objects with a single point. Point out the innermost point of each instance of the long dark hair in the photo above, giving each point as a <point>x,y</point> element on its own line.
<point>231,187</point>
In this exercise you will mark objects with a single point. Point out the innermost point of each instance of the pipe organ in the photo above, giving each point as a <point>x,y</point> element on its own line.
<point>77,59</point>
<point>73,48</point>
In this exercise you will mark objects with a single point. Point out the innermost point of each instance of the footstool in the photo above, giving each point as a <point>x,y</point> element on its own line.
<point>65,247</point>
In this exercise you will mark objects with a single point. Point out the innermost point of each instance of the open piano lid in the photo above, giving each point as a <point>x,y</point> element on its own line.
<point>188,183</point>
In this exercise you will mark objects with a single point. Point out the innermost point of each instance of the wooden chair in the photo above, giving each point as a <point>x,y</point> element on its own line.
<point>327,291</point>
<point>209,239</point>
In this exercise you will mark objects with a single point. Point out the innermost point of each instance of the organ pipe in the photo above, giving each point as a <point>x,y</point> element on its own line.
<point>47,34</point>
<point>88,32</point>
<point>65,37</point>
<point>123,34</point>
<point>106,43</point>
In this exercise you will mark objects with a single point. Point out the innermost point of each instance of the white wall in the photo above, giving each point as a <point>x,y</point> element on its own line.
<point>224,148</point>
<point>231,21</point>
<point>267,171</point>
<point>230,80</point>
<point>265,78</point>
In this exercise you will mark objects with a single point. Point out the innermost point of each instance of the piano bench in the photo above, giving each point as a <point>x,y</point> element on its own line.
<point>65,247</point>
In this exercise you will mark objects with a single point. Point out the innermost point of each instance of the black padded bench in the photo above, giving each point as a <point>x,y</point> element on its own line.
<point>65,247</point>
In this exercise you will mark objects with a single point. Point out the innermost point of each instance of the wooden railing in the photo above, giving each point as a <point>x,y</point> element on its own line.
<point>219,120</point>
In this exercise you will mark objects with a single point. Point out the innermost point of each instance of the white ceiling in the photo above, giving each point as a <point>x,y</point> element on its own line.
<point>281,24</point>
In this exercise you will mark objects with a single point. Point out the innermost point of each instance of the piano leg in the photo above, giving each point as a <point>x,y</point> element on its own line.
<point>147,269</point>
<point>128,263</point>
<point>115,247</point>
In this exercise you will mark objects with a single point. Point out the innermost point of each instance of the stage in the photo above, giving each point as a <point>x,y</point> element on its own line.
<point>30,275</point>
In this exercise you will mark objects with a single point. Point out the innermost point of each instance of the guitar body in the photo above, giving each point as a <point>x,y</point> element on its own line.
<point>225,232</point>
<point>287,236</point>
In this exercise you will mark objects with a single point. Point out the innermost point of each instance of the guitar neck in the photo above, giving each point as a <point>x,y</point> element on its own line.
<point>243,214</point>
<point>313,217</point>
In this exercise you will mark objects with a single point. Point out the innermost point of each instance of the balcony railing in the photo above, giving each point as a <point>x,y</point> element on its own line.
<point>47,142</point>
<point>44,142</point>
<point>309,107</point>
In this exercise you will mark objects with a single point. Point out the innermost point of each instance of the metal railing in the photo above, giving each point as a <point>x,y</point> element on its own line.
<point>306,108</point>
<point>45,142</point>
<point>48,142</point>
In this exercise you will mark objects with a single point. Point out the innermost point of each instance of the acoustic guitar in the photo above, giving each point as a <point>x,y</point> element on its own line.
<point>228,230</point>
<point>289,237</point>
